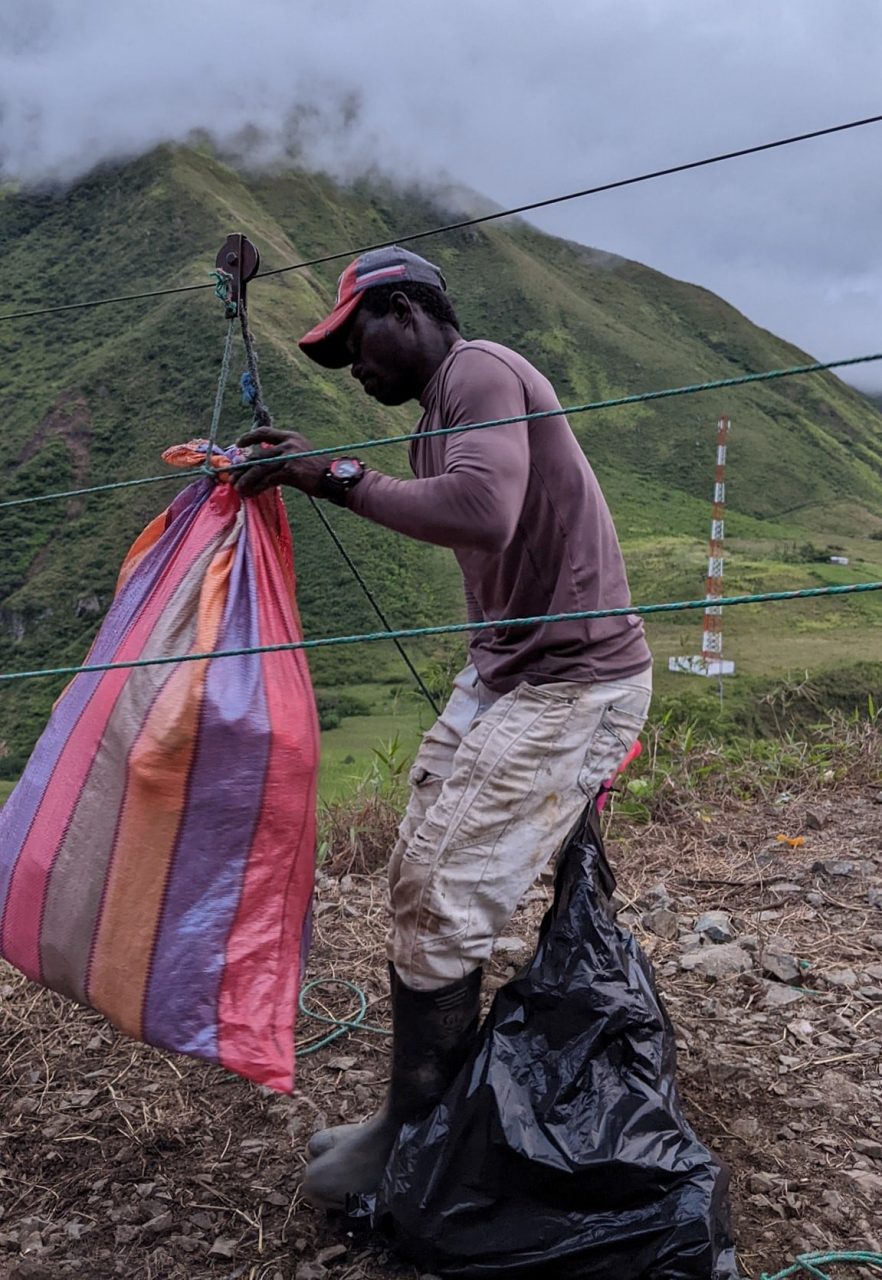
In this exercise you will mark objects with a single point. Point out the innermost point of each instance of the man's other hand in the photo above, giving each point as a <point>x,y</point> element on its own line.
<point>268,443</point>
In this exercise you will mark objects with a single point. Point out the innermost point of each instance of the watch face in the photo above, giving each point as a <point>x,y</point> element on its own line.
<point>345,468</point>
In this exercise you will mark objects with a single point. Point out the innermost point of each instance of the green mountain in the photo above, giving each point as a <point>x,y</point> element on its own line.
<point>93,396</point>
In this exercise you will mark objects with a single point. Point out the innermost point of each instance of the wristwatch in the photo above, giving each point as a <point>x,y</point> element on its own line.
<point>342,475</point>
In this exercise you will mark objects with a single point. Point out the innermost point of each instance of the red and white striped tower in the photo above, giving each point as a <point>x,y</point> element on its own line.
<point>710,662</point>
<point>712,641</point>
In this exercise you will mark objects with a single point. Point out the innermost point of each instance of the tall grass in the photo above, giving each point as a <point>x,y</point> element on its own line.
<point>357,833</point>
<point>684,765</point>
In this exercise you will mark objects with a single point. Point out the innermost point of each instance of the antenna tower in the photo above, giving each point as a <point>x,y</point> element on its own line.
<point>710,662</point>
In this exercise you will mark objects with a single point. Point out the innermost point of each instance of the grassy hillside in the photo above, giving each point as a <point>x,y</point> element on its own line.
<point>94,396</point>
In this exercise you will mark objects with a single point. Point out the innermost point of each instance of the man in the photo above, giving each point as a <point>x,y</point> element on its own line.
<point>539,717</point>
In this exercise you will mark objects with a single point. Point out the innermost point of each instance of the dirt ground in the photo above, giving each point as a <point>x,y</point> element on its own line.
<point>118,1161</point>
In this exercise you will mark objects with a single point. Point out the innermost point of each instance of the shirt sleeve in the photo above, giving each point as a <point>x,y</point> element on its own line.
<point>475,504</point>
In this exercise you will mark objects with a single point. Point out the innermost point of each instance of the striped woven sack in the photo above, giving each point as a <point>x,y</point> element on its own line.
<point>157,854</point>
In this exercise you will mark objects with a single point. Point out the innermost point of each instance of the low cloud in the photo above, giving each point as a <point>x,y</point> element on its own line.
<point>515,100</point>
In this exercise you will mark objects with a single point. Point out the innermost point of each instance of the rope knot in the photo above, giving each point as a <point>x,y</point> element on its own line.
<point>222,289</point>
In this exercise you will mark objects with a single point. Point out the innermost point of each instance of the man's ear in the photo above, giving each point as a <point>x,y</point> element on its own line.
<point>401,308</point>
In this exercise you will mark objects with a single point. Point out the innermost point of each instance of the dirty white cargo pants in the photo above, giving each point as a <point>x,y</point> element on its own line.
<point>497,785</point>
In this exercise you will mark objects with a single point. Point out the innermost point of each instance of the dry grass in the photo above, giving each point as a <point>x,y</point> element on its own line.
<point>357,835</point>
<point>682,768</point>
<point>117,1160</point>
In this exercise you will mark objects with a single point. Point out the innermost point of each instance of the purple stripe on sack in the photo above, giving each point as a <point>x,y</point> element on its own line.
<point>214,841</point>
<point>73,895</point>
<point>17,815</point>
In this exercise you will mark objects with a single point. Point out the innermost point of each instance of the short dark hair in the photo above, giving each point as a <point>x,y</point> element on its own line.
<point>434,302</point>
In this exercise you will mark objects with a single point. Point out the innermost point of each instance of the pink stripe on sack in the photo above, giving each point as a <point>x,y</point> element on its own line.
<point>259,989</point>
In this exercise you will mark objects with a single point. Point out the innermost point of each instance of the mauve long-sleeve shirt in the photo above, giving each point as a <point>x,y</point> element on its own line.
<point>523,512</point>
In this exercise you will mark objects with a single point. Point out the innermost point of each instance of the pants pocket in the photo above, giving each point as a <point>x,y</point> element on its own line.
<point>618,730</point>
<point>623,725</point>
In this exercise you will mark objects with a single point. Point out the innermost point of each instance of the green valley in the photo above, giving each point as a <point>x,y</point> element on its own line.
<point>94,396</point>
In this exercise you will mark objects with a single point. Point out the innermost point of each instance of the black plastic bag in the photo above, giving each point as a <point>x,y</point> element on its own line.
<point>561,1149</point>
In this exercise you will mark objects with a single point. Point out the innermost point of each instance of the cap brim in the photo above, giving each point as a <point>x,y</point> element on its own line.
<point>324,343</point>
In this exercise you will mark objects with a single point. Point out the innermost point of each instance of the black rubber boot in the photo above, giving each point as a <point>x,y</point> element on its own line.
<point>432,1032</point>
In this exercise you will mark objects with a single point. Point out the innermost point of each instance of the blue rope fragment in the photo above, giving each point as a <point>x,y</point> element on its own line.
<point>812,1262</point>
<point>340,1025</point>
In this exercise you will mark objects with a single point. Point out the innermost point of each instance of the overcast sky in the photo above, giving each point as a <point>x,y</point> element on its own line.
<point>519,99</point>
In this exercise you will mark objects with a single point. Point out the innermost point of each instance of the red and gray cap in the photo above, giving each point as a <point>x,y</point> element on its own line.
<point>378,266</point>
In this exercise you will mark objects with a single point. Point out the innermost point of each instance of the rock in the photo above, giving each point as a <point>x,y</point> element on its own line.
<point>32,1243</point>
<point>875,940</point>
<point>341,1063</point>
<point>869,1147</point>
<point>814,898</point>
<point>87,605</point>
<point>332,1252</point>
<point>224,1247</point>
<point>816,820</point>
<point>720,961</point>
<point>874,897</point>
<point>834,867</point>
<point>874,971</point>
<point>662,922</point>
<point>511,946</point>
<point>869,1183</point>
<point>716,925</point>
<point>745,1127</point>
<point>783,888</point>
<point>835,1206</point>
<point>778,995</point>
<point>310,1271</point>
<point>782,967</point>
<point>840,978</point>
<point>690,941</point>
<point>657,896</point>
<point>159,1225</point>
<point>32,1269</point>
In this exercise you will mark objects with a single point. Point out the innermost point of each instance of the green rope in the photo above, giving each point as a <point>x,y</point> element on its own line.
<point>359,445</point>
<point>223,378</point>
<point>340,1025</point>
<point>375,604</point>
<point>617,402</point>
<point>263,418</point>
<point>471,222</point>
<point>812,1262</point>
<point>222,285</point>
<point>453,628</point>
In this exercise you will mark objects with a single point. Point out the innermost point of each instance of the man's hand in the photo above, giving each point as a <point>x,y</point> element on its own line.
<point>301,473</point>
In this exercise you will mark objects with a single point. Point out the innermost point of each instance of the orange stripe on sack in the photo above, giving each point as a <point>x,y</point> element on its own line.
<point>156,791</point>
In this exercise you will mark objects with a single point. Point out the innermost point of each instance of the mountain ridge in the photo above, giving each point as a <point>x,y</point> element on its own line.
<point>93,397</point>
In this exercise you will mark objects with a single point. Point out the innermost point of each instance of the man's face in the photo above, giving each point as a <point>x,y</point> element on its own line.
<point>382,351</point>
